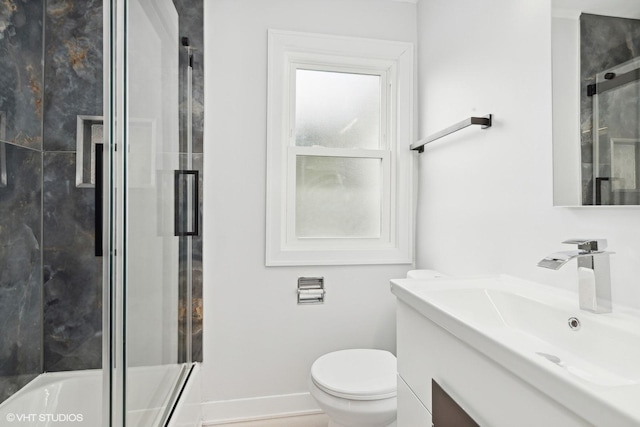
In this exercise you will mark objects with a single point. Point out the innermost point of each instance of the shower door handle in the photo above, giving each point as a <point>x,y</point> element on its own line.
<point>99,190</point>
<point>599,184</point>
<point>187,202</point>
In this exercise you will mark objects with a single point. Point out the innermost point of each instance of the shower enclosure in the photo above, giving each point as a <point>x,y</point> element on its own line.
<point>609,112</point>
<point>100,214</point>
<point>616,136</point>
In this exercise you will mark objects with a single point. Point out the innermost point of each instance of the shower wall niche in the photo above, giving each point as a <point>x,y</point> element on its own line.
<point>51,72</point>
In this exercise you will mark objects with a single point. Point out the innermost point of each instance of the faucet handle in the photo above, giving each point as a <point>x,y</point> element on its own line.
<point>588,245</point>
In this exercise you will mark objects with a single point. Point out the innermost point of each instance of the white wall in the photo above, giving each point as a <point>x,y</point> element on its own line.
<point>485,196</point>
<point>257,341</point>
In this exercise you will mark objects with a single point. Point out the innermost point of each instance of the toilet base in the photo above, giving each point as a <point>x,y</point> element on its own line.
<point>355,413</point>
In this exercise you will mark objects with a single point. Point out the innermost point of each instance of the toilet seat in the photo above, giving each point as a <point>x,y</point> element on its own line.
<point>356,374</point>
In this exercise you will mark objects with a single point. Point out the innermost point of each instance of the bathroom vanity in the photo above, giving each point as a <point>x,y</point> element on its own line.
<point>512,352</point>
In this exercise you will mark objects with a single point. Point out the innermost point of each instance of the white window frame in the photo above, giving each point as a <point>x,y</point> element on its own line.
<point>393,62</point>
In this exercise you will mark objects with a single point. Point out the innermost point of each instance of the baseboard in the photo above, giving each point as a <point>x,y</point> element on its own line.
<point>258,408</point>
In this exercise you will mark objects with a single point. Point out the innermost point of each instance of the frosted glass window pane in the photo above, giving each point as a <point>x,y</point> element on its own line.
<point>338,197</point>
<point>337,110</point>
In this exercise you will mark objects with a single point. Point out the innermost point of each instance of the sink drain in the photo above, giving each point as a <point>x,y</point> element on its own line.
<point>574,323</point>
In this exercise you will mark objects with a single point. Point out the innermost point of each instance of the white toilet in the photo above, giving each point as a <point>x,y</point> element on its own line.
<point>356,388</point>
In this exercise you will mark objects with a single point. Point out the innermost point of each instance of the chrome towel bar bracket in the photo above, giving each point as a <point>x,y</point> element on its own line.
<point>484,122</point>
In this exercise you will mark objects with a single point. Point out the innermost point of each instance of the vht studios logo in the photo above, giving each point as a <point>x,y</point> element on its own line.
<point>52,418</point>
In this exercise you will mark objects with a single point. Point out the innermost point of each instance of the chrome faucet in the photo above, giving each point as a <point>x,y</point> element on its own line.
<point>594,274</point>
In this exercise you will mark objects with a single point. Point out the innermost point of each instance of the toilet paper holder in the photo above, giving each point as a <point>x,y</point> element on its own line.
<point>311,290</point>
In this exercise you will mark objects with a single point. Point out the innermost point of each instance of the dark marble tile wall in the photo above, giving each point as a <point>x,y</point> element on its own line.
<point>197,283</point>
<point>192,26</point>
<point>605,42</point>
<point>21,71</point>
<point>191,23</point>
<point>73,69</point>
<point>72,272</point>
<point>20,270</point>
<point>197,306</point>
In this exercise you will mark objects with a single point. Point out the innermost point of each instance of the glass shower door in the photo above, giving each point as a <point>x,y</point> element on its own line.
<point>152,248</point>
<point>146,156</point>
<point>616,135</point>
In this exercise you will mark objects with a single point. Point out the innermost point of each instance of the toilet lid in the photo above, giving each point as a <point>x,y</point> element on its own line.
<point>358,374</point>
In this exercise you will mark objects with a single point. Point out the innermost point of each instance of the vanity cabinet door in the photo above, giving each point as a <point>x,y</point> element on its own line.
<point>446,412</point>
<point>411,412</point>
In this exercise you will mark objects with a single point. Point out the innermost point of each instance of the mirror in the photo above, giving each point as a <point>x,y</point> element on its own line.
<point>596,102</point>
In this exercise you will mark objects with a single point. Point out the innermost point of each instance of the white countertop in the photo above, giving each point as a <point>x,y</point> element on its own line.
<point>515,322</point>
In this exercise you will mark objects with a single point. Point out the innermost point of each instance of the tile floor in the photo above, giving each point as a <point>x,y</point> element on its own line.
<point>319,420</point>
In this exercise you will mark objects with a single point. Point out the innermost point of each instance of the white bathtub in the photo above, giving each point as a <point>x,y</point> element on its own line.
<point>56,399</point>
<point>74,398</point>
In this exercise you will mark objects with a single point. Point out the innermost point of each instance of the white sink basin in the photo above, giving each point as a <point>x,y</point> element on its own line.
<point>599,351</point>
<point>524,327</point>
